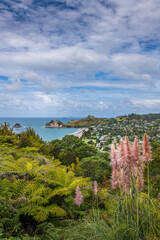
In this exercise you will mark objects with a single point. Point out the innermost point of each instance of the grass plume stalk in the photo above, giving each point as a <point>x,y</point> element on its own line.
<point>127,166</point>
<point>147,158</point>
<point>78,197</point>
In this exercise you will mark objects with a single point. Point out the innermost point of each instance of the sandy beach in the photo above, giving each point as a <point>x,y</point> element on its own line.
<point>80,132</point>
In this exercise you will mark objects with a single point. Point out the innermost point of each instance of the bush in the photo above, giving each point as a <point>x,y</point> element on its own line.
<point>9,219</point>
<point>96,167</point>
<point>29,138</point>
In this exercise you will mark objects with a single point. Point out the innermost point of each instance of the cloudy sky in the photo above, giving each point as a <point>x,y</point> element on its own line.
<point>79,57</point>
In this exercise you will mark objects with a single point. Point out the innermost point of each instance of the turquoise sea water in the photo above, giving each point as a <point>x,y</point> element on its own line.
<point>38,124</point>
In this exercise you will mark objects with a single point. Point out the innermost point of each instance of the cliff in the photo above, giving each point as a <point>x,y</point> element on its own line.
<point>54,124</point>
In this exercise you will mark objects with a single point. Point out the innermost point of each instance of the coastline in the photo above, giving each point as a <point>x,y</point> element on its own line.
<point>38,124</point>
<point>80,132</point>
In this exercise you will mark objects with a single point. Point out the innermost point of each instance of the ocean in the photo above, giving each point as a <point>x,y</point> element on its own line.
<point>47,134</point>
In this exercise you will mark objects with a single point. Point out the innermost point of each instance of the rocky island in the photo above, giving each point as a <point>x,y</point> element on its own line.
<point>82,123</point>
<point>59,124</point>
<point>17,125</point>
<point>54,124</point>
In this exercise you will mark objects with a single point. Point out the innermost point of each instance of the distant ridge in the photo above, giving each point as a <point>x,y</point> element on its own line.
<point>86,122</point>
<point>93,121</point>
<point>147,117</point>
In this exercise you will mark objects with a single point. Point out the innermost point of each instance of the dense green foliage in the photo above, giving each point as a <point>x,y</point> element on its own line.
<point>155,169</point>
<point>69,148</point>
<point>86,122</point>
<point>37,192</point>
<point>32,184</point>
<point>133,126</point>
<point>148,117</point>
<point>93,121</point>
<point>96,167</point>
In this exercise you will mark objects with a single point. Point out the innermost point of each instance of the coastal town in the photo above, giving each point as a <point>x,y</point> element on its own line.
<point>102,132</point>
<point>103,136</point>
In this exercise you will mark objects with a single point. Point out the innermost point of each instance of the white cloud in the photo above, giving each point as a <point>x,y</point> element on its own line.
<point>47,84</point>
<point>15,85</point>
<point>136,66</point>
<point>151,104</point>
<point>63,60</point>
<point>60,47</point>
<point>102,106</point>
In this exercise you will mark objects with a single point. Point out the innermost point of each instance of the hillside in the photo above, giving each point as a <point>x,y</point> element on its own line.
<point>94,121</point>
<point>148,117</point>
<point>86,122</point>
<point>56,188</point>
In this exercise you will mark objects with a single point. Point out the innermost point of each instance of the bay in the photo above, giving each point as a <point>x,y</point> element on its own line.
<point>47,134</point>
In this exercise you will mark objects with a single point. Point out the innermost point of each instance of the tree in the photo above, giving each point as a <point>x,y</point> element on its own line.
<point>29,138</point>
<point>67,158</point>
<point>69,148</point>
<point>96,167</point>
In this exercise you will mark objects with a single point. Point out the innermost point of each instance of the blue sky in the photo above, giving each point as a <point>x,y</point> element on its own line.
<point>79,57</point>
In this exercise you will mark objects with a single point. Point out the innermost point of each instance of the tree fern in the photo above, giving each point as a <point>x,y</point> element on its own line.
<point>38,189</point>
<point>41,213</point>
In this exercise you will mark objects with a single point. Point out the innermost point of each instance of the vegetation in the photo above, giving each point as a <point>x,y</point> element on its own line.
<point>69,148</point>
<point>96,167</point>
<point>93,121</point>
<point>86,122</point>
<point>133,125</point>
<point>54,124</point>
<point>62,190</point>
<point>145,117</point>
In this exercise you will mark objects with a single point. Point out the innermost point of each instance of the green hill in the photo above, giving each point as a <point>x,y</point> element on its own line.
<point>86,122</point>
<point>148,117</point>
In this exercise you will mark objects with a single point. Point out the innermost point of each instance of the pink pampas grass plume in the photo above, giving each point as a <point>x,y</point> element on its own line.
<point>136,158</point>
<point>78,197</point>
<point>95,189</point>
<point>136,152</point>
<point>113,157</point>
<point>146,149</point>
<point>137,161</point>
<point>129,165</point>
<point>121,159</point>
<point>140,179</point>
<point>128,152</point>
<point>115,183</point>
<point>122,180</point>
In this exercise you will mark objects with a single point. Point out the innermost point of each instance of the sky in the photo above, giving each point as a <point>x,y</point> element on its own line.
<point>79,57</point>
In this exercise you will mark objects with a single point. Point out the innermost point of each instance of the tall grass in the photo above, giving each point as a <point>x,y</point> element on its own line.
<point>133,214</point>
<point>136,209</point>
<point>95,227</point>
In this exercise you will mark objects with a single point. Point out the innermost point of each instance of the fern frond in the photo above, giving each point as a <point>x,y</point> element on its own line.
<point>51,182</point>
<point>41,213</point>
<point>5,188</point>
<point>79,181</point>
<point>18,188</point>
<point>58,192</point>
